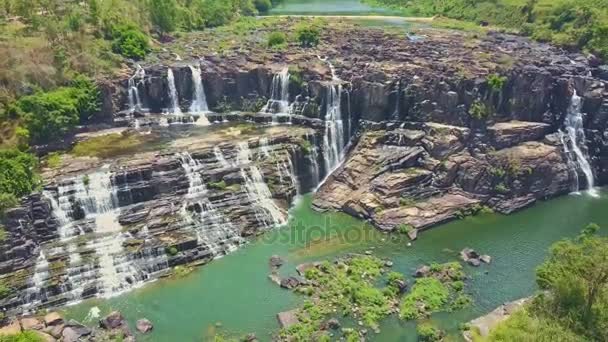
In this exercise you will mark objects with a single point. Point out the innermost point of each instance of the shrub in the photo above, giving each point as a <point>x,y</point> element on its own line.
<point>17,174</point>
<point>496,82</point>
<point>262,6</point>
<point>171,250</point>
<point>221,185</point>
<point>277,39</point>
<point>428,333</point>
<point>428,291</point>
<point>307,35</point>
<point>130,42</point>
<point>479,110</point>
<point>404,228</point>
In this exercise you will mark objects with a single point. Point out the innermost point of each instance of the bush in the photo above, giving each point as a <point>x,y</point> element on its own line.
<point>130,42</point>
<point>428,291</point>
<point>307,35</point>
<point>17,175</point>
<point>263,6</point>
<point>276,39</point>
<point>51,115</point>
<point>428,333</point>
<point>25,336</point>
<point>171,250</point>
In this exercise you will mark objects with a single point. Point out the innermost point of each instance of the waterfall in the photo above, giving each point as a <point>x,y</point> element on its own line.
<point>279,94</point>
<point>199,100</point>
<point>213,229</point>
<point>267,212</point>
<point>313,157</point>
<point>333,139</point>
<point>133,93</point>
<point>219,156</point>
<point>41,272</point>
<point>576,134</point>
<point>264,147</point>
<point>173,93</point>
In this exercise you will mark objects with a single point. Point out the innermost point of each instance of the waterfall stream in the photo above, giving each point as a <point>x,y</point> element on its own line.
<point>135,103</point>
<point>199,100</point>
<point>175,109</point>
<point>258,192</point>
<point>279,95</point>
<point>576,134</point>
<point>213,229</point>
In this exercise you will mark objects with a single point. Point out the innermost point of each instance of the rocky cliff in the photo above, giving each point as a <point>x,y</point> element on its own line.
<point>420,129</point>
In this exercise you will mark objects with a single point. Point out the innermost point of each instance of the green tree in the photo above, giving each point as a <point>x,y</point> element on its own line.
<point>576,276</point>
<point>17,175</point>
<point>163,14</point>
<point>307,35</point>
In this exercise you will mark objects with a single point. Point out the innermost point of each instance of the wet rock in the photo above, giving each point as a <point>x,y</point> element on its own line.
<point>275,262</point>
<point>275,278</point>
<point>486,258</point>
<point>422,272</point>
<point>333,324</point>
<point>53,318</point>
<point>112,321</point>
<point>290,283</point>
<point>302,268</point>
<point>388,263</point>
<point>467,253</point>
<point>73,331</point>
<point>144,326</point>
<point>251,338</point>
<point>474,262</point>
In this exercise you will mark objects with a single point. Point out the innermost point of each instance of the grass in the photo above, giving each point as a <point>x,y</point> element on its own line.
<point>106,146</point>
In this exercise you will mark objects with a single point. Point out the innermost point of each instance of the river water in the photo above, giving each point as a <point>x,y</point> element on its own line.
<point>235,293</point>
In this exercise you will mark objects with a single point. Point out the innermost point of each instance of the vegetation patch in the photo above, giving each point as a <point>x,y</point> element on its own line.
<point>109,145</point>
<point>435,292</point>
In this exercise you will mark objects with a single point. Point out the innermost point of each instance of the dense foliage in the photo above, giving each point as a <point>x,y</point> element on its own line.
<point>574,306</point>
<point>575,24</point>
<point>17,177</point>
<point>49,115</point>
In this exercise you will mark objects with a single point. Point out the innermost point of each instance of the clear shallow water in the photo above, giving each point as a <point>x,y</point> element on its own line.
<point>236,292</point>
<point>328,7</point>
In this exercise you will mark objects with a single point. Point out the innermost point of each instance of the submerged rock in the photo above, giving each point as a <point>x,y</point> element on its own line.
<point>144,326</point>
<point>422,272</point>
<point>275,262</point>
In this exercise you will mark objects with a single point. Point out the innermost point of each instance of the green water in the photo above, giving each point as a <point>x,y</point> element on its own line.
<point>236,292</point>
<point>328,7</point>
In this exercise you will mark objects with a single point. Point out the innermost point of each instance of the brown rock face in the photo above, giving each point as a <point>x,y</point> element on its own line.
<point>423,174</point>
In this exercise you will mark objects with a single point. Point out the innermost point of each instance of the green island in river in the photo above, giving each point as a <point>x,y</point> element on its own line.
<point>303,170</point>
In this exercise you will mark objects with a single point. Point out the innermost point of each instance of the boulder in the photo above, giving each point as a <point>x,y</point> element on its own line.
<point>251,338</point>
<point>333,324</point>
<point>467,253</point>
<point>31,323</point>
<point>275,262</point>
<point>485,258</point>
<point>144,326</point>
<point>53,318</point>
<point>73,331</point>
<point>287,318</point>
<point>290,283</point>
<point>474,262</point>
<point>112,321</point>
<point>12,328</point>
<point>275,278</point>
<point>422,271</point>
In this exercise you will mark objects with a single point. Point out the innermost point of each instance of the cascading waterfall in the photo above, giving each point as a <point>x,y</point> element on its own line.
<point>199,100</point>
<point>313,157</point>
<point>258,192</point>
<point>333,139</point>
<point>219,156</point>
<point>212,228</point>
<point>576,134</point>
<point>175,109</point>
<point>134,99</point>
<point>279,94</point>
